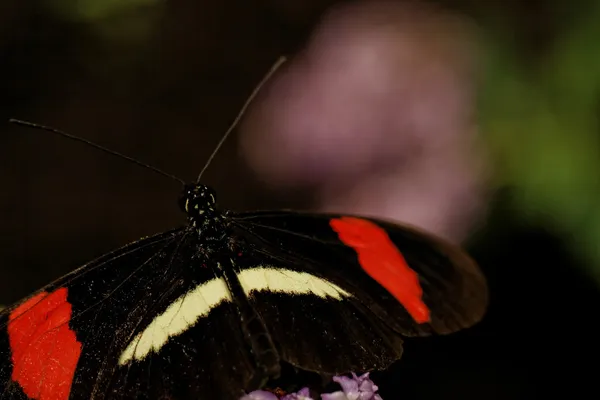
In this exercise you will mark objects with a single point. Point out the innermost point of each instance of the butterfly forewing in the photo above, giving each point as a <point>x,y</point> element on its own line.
<point>151,320</point>
<point>454,292</point>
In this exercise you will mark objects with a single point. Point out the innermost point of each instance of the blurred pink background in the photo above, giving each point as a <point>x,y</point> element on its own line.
<point>377,114</point>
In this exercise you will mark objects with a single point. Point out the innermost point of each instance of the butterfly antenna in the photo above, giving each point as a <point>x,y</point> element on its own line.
<point>97,146</point>
<point>237,119</point>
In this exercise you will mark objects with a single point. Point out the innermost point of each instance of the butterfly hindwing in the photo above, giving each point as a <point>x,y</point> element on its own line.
<point>314,324</point>
<point>151,320</point>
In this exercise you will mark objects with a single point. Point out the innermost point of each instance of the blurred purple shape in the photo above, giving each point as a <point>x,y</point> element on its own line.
<point>354,388</point>
<point>377,115</point>
<point>302,394</point>
<point>259,395</point>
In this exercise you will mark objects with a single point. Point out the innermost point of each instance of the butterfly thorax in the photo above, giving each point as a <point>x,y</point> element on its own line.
<point>199,203</point>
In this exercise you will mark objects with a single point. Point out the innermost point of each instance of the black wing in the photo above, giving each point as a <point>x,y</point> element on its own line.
<point>78,338</point>
<point>358,330</point>
<point>157,319</point>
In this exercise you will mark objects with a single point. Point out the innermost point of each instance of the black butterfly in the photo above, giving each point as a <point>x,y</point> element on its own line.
<point>211,310</point>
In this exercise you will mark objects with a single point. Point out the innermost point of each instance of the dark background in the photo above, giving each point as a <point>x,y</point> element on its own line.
<point>167,99</point>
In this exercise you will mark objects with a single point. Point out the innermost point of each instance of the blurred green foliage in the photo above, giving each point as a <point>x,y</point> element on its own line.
<point>95,10</point>
<point>120,23</point>
<point>541,120</point>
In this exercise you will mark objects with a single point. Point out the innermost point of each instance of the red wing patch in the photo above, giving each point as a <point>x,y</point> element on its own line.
<point>44,349</point>
<point>381,259</point>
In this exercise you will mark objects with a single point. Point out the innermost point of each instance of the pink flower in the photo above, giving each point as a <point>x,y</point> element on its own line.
<point>377,116</point>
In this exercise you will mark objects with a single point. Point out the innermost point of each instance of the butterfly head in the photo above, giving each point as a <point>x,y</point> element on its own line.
<point>199,203</point>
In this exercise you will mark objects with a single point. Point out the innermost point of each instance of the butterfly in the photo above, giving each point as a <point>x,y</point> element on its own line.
<point>213,309</point>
